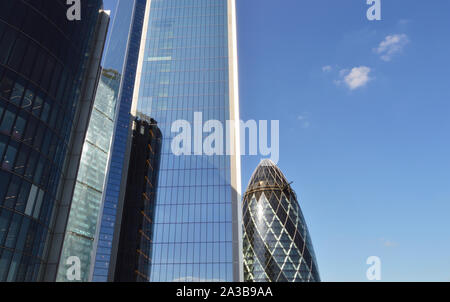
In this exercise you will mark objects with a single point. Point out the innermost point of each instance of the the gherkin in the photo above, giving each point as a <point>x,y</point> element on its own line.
<point>276,243</point>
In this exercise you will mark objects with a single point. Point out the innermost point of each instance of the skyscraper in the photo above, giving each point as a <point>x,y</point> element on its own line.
<point>277,246</point>
<point>136,227</point>
<point>188,65</point>
<point>49,68</point>
<point>87,207</point>
<point>182,63</point>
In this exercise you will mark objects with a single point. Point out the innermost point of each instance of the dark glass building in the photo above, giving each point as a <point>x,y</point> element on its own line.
<point>277,245</point>
<point>46,74</point>
<point>136,233</point>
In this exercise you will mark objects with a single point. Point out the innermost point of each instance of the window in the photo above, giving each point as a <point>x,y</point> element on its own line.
<point>37,106</point>
<point>17,93</point>
<point>13,267</point>
<point>37,208</point>
<point>13,231</point>
<point>2,108</point>
<point>31,199</point>
<point>38,67</point>
<point>4,181</point>
<point>4,261</point>
<point>39,136</point>
<point>31,128</point>
<point>8,120</point>
<point>7,43</point>
<point>22,197</point>
<point>46,143</point>
<point>48,73</point>
<point>5,217</point>
<point>19,127</point>
<point>6,85</point>
<point>3,143</point>
<point>13,190</point>
<point>19,167</point>
<point>31,164</point>
<point>29,59</point>
<point>39,169</point>
<point>22,235</point>
<point>15,59</point>
<point>46,111</point>
<point>28,100</point>
<point>10,155</point>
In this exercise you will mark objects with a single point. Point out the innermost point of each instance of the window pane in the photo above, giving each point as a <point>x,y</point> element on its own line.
<point>39,169</point>
<point>6,85</point>
<point>15,59</point>
<point>8,120</point>
<point>13,190</point>
<point>19,167</point>
<point>31,199</point>
<point>29,59</point>
<point>2,108</point>
<point>13,231</point>
<point>19,127</point>
<point>23,196</point>
<point>7,43</point>
<point>13,267</point>
<point>31,128</point>
<point>39,136</point>
<point>10,155</point>
<point>17,93</point>
<point>31,164</point>
<point>46,111</point>
<point>3,143</point>
<point>37,106</point>
<point>4,181</point>
<point>5,217</point>
<point>28,100</point>
<point>38,67</point>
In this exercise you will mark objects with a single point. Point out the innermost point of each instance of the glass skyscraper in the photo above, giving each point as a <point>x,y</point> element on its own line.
<point>182,62</point>
<point>277,246</point>
<point>48,68</point>
<point>188,65</point>
<point>81,234</point>
<point>136,227</point>
<point>87,196</point>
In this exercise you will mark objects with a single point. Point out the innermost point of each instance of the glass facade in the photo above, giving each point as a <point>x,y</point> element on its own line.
<point>184,69</point>
<point>136,227</point>
<point>103,243</point>
<point>82,228</point>
<point>276,244</point>
<point>87,196</point>
<point>43,60</point>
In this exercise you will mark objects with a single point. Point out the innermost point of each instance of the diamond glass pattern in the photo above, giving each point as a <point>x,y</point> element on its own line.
<point>276,243</point>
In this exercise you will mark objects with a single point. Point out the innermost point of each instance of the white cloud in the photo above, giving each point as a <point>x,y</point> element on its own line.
<point>327,68</point>
<point>388,243</point>
<point>391,45</point>
<point>356,78</point>
<point>304,120</point>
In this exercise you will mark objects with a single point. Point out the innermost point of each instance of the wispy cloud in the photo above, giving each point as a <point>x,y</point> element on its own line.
<point>355,78</point>
<point>388,243</point>
<point>327,68</point>
<point>304,120</point>
<point>391,45</point>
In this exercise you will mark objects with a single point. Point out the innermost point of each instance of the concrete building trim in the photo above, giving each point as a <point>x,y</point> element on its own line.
<point>235,139</point>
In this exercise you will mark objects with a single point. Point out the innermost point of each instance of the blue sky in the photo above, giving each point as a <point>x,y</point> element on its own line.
<point>364,128</point>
